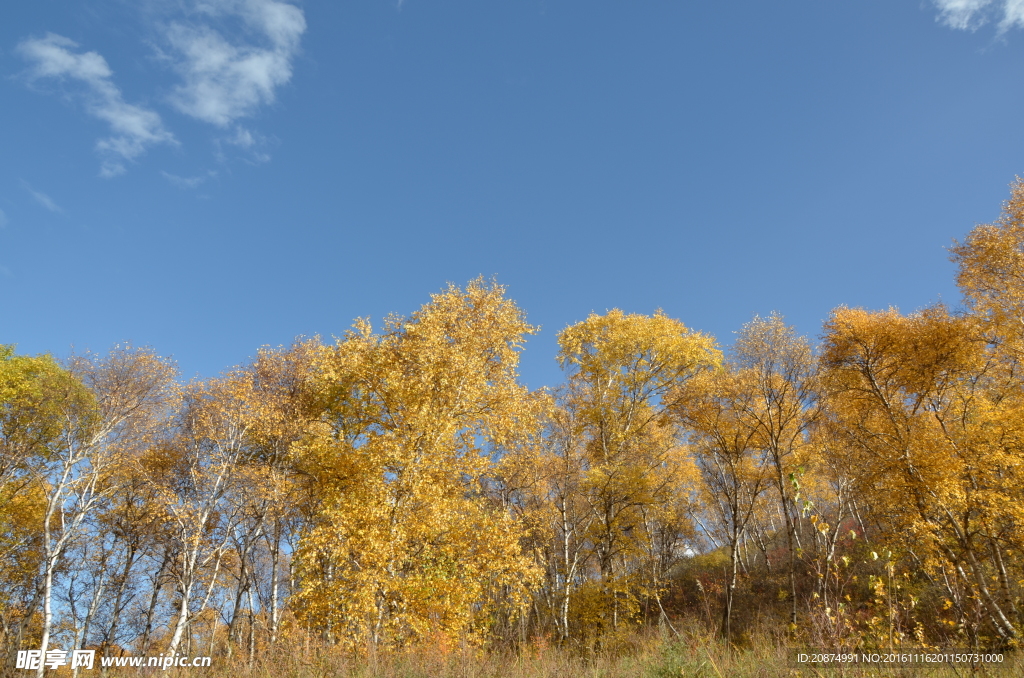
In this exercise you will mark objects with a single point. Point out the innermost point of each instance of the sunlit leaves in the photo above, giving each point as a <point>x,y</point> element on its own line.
<point>404,539</point>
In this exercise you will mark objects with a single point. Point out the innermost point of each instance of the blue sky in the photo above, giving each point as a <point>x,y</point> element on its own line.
<point>209,176</point>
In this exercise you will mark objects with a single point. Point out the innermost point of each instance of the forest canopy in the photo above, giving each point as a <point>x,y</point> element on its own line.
<point>400,485</point>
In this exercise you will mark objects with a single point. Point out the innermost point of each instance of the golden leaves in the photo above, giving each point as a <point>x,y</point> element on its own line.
<point>405,538</point>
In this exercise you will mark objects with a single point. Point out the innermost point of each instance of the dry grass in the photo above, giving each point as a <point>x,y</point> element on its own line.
<point>693,653</point>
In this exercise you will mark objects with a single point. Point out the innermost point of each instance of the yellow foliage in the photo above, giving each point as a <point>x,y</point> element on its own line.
<point>405,539</point>
<point>929,425</point>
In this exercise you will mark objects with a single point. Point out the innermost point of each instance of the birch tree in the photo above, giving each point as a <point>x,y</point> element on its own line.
<point>405,543</point>
<point>621,368</point>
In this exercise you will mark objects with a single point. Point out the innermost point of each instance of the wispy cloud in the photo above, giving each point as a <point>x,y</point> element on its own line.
<point>134,128</point>
<point>227,79</point>
<point>6,272</point>
<point>243,138</point>
<point>231,57</point>
<point>42,198</point>
<point>252,145</point>
<point>962,14</point>
<point>971,14</point>
<point>1013,14</point>
<point>3,219</point>
<point>189,182</point>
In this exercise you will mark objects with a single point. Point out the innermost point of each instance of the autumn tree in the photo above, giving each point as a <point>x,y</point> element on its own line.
<point>726,442</point>
<point>67,431</point>
<point>542,484</point>
<point>132,388</point>
<point>195,470</point>
<point>991,277</point>
<point>620,369</point>
<point>270,490</point>
<point>405,543</point>
<point>932,441</point>
<point>783,396</point>
<point>32,427</point>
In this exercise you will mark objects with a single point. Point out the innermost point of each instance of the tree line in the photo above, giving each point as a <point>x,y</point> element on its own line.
<point>401,486</point>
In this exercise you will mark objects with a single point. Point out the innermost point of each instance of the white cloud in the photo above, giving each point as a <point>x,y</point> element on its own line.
<point>42,198</point>
<point>970,14</point>
<point>231,55</point>
<point>962,14</point>
<point>229,79</point>
<point>251,146</point>
<point>188,182</point>
<point>6,272</point>
<point>243,138</point>
<point>1013,14</point>
<point>134,128</point>
<point>3,219</point>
